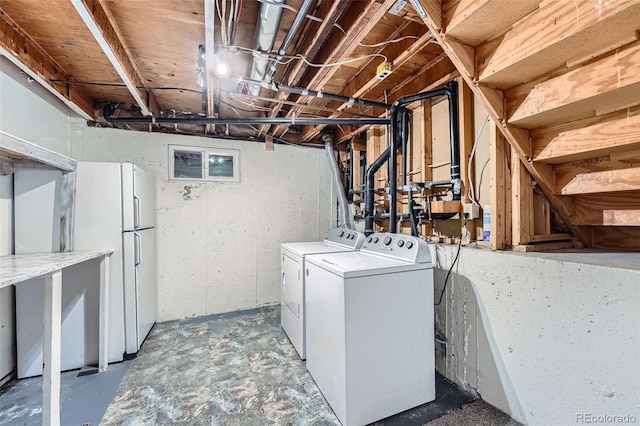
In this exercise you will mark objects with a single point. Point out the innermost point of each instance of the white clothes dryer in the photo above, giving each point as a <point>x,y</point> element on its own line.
<point>292,300</point>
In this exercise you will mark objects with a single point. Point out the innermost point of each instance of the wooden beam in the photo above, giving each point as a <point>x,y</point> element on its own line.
<point>497,184</point>
<point>557,245</point>
<point>465,118</point>
<point>616,238</point>
<point>104,29</point>
<point>27,55</point>
<point>521,202</point>
<point>557,31</point>
<point>209,48</point>
<point>613,133</point>
<point>13,147</point>
<point>474,21</point>
<point>617,209</point>
<point>605,181</point>
<point>611,80</point>
<point>518,138</point>
<point>432,9</point>
<point>549,237</point>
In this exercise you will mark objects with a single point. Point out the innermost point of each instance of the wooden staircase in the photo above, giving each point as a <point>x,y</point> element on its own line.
<point>561,79</point>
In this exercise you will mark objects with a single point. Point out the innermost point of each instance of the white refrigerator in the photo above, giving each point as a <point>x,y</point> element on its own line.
<point>114,208</point>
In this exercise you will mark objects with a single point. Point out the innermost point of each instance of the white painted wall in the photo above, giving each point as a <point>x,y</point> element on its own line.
<point>219,243</point>
<point>29,112</point>
<point>541,339</point>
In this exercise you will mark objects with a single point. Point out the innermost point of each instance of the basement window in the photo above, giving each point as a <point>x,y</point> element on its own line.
<point>192,163</point>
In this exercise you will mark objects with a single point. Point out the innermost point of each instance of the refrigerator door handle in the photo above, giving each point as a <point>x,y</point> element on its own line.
<point>136,211</point>
<point>138,256</point>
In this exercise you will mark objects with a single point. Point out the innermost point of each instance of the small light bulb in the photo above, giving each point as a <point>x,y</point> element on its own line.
<point>222,68</point>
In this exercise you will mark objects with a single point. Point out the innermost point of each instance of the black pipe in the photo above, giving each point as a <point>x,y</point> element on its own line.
<point>307,92</point>
<point>449,90</point>
<point>248,120</point>
<point>369,191</point>
<point>404,117</point>
<point>454,135</point>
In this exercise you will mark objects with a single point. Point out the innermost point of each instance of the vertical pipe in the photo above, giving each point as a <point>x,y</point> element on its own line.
<point>393,168</point>
<point>369,190</point>
<point>452,94</point>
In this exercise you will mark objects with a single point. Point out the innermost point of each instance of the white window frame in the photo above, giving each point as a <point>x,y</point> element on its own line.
<point>205,152</point>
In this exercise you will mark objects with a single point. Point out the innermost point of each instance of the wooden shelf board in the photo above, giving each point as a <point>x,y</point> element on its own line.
<point>13,147</point>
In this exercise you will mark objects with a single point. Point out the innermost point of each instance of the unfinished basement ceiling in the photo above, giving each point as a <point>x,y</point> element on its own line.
<point>337,48</point>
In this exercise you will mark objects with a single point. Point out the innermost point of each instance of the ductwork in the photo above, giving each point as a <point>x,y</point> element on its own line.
<point>266,30</point>
<point>343,207</point>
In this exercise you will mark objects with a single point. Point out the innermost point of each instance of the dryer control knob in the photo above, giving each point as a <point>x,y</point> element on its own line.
<point>409,244</point>
<point>375,240</point>
<point>369,239</point>
<point>387,241</point>
<point>341,234</point>
<point>400,243</point>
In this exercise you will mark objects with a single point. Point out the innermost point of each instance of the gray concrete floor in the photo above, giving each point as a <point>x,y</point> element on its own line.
<point>229,369</point>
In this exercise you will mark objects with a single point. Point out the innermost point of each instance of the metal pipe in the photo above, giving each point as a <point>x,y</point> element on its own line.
<point>307,92</point>
<point>288,39</point>
<point>369,191</point>
<point>404,117</point>
<point>393,169</point>
<point>247,120</point>
<point>266,31</point>
<point>450,90</point>
<point>333,165</point>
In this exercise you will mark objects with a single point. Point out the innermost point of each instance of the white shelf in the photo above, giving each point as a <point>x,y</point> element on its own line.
<point>16,148</point>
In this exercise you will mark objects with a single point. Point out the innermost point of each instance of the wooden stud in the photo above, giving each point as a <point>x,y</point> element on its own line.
<point>268,142</point>
<point>25,53</point>
<point>426,156</point>
<point>521,202</point>
<point>549,237</point>
<point>497,165</point>
<point>433,9</point>
<point>102,25</point>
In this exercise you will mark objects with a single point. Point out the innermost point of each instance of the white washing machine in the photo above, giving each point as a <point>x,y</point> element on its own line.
<point>370,327</point>
<point>292,299</point>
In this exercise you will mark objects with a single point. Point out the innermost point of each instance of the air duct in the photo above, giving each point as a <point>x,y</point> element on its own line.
<point>266,30</point>
<point>343,207</point>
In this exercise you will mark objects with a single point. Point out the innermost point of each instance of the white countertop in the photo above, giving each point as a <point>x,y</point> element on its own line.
<point>21,267</point>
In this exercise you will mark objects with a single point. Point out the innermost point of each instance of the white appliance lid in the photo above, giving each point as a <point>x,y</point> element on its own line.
<point>359,264</point>
<point>314,247</point>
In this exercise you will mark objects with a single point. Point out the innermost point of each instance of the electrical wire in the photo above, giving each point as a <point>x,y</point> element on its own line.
<point>300,56</point>
<point>446,280</point>
<point>471,188</point>
<point>294,10</point>
<point>384,43</point>
<point>88,83</point>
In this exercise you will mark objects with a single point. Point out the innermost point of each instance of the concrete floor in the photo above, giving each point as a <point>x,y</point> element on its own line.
<point>229,369</point>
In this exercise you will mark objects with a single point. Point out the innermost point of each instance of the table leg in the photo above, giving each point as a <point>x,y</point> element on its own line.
<point>103,356</point>
<point>51,349</point>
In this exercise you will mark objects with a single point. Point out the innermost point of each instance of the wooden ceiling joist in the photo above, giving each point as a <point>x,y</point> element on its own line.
<point>357,22</point>
<point>25,53</point>
<point>102,26</point>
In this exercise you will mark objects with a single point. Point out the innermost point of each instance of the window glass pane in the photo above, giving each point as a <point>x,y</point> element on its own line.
<point>220,165</point>
<point>187,164</point>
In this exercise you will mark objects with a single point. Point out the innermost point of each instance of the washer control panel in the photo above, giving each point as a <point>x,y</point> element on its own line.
<point>345,237</point>
<point>399,246</point>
